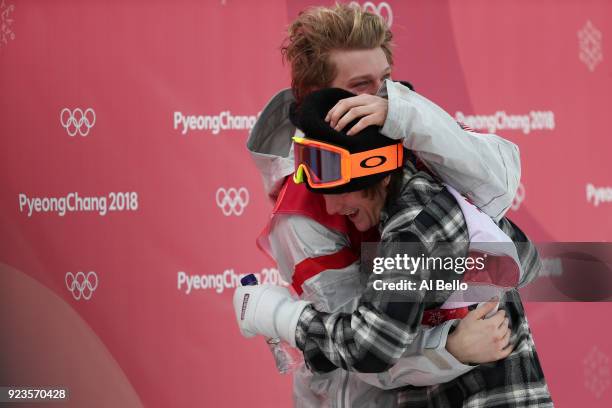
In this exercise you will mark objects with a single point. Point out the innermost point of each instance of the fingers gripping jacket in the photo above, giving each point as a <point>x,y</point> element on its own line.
<point>268,310</point>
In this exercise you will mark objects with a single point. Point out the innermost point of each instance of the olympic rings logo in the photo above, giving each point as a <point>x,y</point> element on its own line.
<point>77,121</point>
<point>377,9</point>
<point>518,198</point>
<point>81,285</point>
<point>232,201</point>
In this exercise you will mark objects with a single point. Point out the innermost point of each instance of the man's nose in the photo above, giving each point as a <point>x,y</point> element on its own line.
<point>333,203</point>
<point>372,89</point>
<point>376,87</point>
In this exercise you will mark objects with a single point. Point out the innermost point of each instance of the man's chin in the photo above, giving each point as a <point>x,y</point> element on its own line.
<point>361,226</point>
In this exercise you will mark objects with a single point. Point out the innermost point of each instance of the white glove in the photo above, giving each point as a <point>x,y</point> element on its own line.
<point>268,310</point>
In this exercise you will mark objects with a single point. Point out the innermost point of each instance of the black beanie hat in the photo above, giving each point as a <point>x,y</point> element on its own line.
<point>309,117</point>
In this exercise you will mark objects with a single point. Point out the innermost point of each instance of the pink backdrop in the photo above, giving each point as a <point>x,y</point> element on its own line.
<point>95,97</point>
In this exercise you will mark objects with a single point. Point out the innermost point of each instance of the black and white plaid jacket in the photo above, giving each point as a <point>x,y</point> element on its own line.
<point>374,337</point>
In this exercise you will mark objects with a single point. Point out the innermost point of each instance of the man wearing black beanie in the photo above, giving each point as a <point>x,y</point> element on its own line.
<point>423,212</point>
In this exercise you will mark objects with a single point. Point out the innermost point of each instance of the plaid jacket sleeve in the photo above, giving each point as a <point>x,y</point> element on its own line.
<point>375,336</point>
<point>527,252</point>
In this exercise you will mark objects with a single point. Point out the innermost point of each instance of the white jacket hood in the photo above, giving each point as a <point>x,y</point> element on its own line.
<point>270,142</point>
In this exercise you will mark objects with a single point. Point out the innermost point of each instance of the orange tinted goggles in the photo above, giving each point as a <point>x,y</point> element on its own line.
<point>323,165</point>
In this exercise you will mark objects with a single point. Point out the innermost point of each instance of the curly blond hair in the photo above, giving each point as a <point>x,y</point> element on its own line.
<point>319,30</point>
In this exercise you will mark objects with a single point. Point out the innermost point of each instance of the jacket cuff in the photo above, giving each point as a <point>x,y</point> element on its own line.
<point>435,348</point>
<point>395,122</point>
<point>301,329</point>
